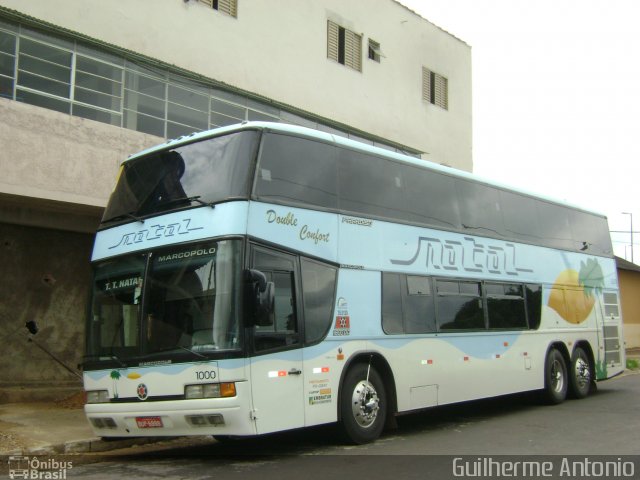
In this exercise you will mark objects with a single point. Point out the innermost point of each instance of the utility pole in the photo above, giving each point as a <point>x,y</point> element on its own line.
<point>631,219</point>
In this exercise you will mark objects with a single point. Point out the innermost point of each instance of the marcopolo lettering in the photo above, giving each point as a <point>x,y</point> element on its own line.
<point>187,254</point>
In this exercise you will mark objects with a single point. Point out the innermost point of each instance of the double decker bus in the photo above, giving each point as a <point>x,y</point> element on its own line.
<point>264,277</point>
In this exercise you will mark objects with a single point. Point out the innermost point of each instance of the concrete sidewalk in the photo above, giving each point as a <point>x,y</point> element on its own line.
<point>52,428</point>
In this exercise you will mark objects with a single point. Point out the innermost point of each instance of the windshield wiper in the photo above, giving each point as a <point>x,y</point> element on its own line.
<point>125,215</point>
<point>193,352</point>
<point>189,199</point>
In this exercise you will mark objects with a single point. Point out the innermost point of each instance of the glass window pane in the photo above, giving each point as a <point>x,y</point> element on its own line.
<point>45,69</point>
<point>7,63</point>
<point>144,104</point>
<point>419,311</point>
<point>370,185</point>
<point>188,98</point>
<point>175,130</point>
<point>7,43</point>
<point>479,207</point>
<point>520,217</point>
<point>98,99</point>
<point>101,69</point>
<point>318,286</point>
<point>45,52</point>
<point>187,116</point>
<point>534,305</point>
<point>430,198</point>
<point>143,123</point>
<point>6,87</point>
<point>46,37</point>
<point>418,285</point>
<point>42,101</point>
<point>260,117</point>
<point>460,313</point>
<point>553,221</point>
<point>392,304</point>
<point>444,286</point>
<point>506,313</point>
<point>146,85</point>
<point>97,115</point>
<point>98,84</point>
<point>298,170</point>
<point>218,120</point>
<point>227,109</point>
<point>42,84</point>
<point>467,288</point>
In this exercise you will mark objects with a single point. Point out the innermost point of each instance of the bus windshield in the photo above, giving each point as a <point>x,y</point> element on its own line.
<point>204,172</point>
<point>179,299</point>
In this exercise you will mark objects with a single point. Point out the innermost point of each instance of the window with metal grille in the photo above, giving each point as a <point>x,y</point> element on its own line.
<point>435,88</point>
<point>230,7</point>
<point>344,46</point>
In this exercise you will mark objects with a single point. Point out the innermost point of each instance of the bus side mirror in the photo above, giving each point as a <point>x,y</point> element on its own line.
<point>261,298</point>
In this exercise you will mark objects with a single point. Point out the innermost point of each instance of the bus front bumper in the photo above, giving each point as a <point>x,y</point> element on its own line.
<point>214,416</point>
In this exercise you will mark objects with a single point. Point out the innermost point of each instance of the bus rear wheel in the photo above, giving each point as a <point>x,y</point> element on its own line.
<point>363,404</point>
<point>555,378</point>
<point>580,374</point>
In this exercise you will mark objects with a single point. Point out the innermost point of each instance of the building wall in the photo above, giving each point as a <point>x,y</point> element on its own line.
<point>279,49</point>
<point>52,156</point>
<point>45,278</point>
<point>630,299</point>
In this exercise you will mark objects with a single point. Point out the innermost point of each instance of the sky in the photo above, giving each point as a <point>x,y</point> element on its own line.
<point>556,99</point>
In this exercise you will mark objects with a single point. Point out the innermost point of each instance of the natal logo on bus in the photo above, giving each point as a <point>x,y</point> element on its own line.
<point>342,327</point>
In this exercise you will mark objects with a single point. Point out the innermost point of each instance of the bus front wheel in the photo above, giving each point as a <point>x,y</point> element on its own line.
<point>555,377</point>
<point>363,404</point>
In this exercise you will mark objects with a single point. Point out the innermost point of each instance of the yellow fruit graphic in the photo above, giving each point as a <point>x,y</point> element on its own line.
<point>572,294</point>
<point>133,375</point>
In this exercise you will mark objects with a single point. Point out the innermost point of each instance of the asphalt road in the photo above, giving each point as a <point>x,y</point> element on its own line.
<point>424,446</point>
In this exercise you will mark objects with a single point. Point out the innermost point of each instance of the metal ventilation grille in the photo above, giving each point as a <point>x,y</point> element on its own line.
<point>611,345</point>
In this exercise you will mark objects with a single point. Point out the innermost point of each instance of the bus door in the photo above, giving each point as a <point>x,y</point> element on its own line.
<point>276,365</point>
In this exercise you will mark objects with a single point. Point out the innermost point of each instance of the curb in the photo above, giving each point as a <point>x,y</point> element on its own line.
<point>90,445</point>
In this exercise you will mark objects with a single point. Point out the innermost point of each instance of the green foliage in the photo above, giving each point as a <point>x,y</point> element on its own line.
<point>591,277</point>
<point>632,364</point>
<point>601,370</point>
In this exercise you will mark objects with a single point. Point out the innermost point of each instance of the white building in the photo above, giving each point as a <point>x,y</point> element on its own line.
<point>84,83</point>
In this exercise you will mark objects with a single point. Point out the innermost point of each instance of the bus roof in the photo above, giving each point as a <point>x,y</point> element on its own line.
<point>352,144</point>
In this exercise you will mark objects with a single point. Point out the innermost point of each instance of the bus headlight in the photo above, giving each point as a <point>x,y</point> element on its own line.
<point>210,390</point>
<point>97,396</point>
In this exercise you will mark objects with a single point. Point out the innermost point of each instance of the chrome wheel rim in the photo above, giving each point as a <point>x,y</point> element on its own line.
<point>365,404</point>
<point>583,373</point>
<point>557,376</point>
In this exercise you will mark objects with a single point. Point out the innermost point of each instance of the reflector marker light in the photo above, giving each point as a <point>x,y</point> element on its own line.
<point>277,373</point>
<point>321,370</point>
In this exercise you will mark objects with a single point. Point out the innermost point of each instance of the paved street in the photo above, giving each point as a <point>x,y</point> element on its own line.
<point>605,423</point>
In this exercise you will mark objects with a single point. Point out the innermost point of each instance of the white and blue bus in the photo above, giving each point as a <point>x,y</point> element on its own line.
<point>264,277</point>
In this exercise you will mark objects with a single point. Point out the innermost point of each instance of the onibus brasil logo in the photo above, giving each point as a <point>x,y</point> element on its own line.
<point>38,468</point>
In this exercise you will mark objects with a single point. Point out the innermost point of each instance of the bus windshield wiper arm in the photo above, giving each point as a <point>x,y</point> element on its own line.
<point>193,352</point>
<point>195,198</point>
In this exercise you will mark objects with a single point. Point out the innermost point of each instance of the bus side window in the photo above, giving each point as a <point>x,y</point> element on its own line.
<point>283,330</point>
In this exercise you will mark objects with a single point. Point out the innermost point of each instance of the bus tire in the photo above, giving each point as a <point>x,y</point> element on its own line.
<point>363,404</point>
<point>580,374</point>
<point>555,378</point>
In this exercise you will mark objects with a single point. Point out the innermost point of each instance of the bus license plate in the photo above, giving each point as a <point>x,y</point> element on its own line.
<point>149,422</point>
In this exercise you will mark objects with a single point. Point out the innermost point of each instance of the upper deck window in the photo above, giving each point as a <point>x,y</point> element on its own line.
<point>208,171</point>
